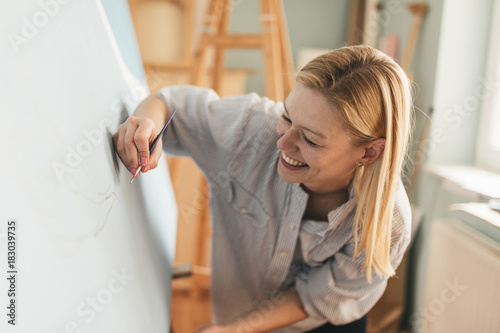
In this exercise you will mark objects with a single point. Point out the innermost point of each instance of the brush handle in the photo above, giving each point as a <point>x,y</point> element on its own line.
<point>161,132</point>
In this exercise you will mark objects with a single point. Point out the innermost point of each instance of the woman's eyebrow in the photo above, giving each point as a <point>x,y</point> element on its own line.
<point>307,129</point>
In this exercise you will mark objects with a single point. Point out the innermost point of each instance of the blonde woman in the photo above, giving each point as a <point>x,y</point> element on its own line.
<point>309,214</point>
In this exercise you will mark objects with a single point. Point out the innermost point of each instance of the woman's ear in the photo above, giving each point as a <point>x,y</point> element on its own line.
<point>373,151</point>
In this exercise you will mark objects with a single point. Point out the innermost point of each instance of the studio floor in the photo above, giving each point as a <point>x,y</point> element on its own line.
<point>189,311</point>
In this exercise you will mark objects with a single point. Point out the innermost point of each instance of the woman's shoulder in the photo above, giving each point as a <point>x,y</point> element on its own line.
<point>246,121</point>
<point>226,121</point>
<point>257,110</point>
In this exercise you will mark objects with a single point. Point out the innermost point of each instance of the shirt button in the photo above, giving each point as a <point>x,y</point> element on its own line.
<point>243,210</point>
<point>275,276</point>
<point>283,253</point>
<point>268,291</point>
<point>292,226</point>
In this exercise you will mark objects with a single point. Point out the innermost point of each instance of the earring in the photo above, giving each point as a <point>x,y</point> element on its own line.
<point>360,165</point>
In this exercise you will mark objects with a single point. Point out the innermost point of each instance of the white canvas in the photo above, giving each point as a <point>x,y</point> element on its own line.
<point>93,253</point>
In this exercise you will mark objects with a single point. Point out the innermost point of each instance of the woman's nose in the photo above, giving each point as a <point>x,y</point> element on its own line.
<point>287,141</point>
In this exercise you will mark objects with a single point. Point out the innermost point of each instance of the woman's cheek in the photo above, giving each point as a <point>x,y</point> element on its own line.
<point>309,157</point>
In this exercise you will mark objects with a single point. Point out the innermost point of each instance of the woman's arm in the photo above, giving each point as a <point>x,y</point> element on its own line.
<point>284,310</point>
<point>136,134</point>
<point>153,108</point>
<point>206,128</point>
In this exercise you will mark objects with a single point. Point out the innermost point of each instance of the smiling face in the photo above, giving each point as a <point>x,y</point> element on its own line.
<point>315,149</point>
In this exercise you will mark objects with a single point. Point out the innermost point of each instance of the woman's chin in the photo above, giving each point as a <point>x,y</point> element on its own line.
<point>288,175</point>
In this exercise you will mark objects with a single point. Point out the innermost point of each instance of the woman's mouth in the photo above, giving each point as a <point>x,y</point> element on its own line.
<point>290,163</point>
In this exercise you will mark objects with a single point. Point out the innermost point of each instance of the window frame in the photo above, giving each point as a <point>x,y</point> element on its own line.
<point>487,153</point>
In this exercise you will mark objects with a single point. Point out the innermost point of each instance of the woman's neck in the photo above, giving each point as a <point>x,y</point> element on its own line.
<point>320,204</point>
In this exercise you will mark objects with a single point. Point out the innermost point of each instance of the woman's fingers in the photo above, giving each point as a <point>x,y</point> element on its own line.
<point>119,141</point>
<point>143,138</point>
<point>132,142</point>
<point>131,160</point>
<point>155,156</point>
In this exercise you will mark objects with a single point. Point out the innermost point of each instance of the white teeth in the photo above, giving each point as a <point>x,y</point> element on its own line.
<point>291,161</point>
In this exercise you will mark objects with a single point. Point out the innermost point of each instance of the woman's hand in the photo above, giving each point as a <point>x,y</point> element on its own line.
<point>132,143</point>
<point>283,310</point>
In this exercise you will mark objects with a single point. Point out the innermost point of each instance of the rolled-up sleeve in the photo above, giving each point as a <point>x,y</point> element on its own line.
<point>337,292</point>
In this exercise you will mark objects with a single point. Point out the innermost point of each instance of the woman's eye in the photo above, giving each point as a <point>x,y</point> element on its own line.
<point>309,142</point>
<point>286,119</point>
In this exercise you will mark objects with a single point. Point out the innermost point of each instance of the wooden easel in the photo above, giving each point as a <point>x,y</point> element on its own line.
<point>418,10</point>
<point>273,41</point>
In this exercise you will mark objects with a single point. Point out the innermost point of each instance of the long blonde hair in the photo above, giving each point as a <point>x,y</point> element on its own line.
<point>372,95</point>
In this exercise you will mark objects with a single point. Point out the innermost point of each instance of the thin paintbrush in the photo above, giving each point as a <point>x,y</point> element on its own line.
<point>154,144</point>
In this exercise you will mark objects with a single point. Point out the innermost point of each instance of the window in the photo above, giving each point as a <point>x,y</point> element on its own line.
<point>488,146</point>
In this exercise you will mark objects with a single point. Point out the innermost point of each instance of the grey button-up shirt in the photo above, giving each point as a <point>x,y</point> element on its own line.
<point>261,245</point>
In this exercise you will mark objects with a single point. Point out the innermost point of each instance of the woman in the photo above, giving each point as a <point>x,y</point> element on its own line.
<point>309,215</point>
